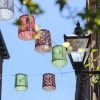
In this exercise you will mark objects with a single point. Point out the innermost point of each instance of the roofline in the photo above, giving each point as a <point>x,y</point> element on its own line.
<point>4,46</point>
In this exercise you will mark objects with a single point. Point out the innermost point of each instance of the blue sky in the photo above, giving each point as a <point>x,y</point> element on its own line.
<point>24,59</point>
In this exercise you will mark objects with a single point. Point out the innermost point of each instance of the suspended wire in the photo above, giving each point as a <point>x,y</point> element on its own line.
<point>54,42</point>
<point>40,74</point>
<point>19,9</point>
<point>48,52</point>
<point>61,73</point>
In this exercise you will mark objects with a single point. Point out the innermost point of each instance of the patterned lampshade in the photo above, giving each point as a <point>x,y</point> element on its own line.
<point>49,82</point>
<point>6,9</point>
<point>59,56</point>
<point>44,43</point>
<point>21,82</point>
<point>26,29</point>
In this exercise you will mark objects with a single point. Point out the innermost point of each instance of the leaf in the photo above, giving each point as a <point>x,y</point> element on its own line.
<point>94,80</point>
<point>61,3</point>
<point>18,22</point>
<point>94,60</point>
<point>97,20</point>
<point>87,65</point>
<point>93,19</point>
<point>83,16</point>
<point>98,68</point>
<point>35,9</point>
<point>31,9</point>
<point>38,11</point>
<point>30,3</point>
<point>94,50</point>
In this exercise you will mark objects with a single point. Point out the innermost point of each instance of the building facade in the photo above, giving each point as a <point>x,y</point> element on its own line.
<point>86,88</point>
<point>3,55</point>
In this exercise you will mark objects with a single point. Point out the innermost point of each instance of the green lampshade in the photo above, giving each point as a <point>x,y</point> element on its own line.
<point>59,56</point>
<point>21,82</point>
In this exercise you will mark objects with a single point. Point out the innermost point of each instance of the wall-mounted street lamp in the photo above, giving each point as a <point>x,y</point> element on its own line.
<point>78,43</point>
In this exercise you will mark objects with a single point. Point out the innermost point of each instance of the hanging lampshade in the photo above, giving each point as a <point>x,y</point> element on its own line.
<point>59,56</point>
<point>21,82</point>
<point>44,43</point>
<point>26,29</point>
<point>6,9</point>
<point>49,82</point>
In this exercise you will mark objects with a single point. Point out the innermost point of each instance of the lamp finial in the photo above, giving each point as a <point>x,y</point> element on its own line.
<point>78,30</point>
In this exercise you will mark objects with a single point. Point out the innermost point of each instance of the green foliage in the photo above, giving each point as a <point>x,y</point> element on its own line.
<point>35,9</point>
<point>96,79</point>
<point>18,22</point>
<point>31,6</point>
<point>94,50</point>
<point>98,68</point>
<point>61,4</point>
<point>87,65</point>
<point>93,20</point>
<point>92,17</point>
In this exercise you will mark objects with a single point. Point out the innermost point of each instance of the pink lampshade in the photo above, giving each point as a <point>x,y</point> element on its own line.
<point>44,43</point>
<point>26,30</point>
<point>49,82</point>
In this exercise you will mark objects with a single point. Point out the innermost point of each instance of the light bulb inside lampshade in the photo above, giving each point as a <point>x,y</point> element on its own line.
<point>37,36</point>
<point>81,50</point>
<point>66,44</point>
<point>37,27</point>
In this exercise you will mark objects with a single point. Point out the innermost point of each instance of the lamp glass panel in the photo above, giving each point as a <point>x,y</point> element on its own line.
<point>76,44</point>
<point>77,57</point>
